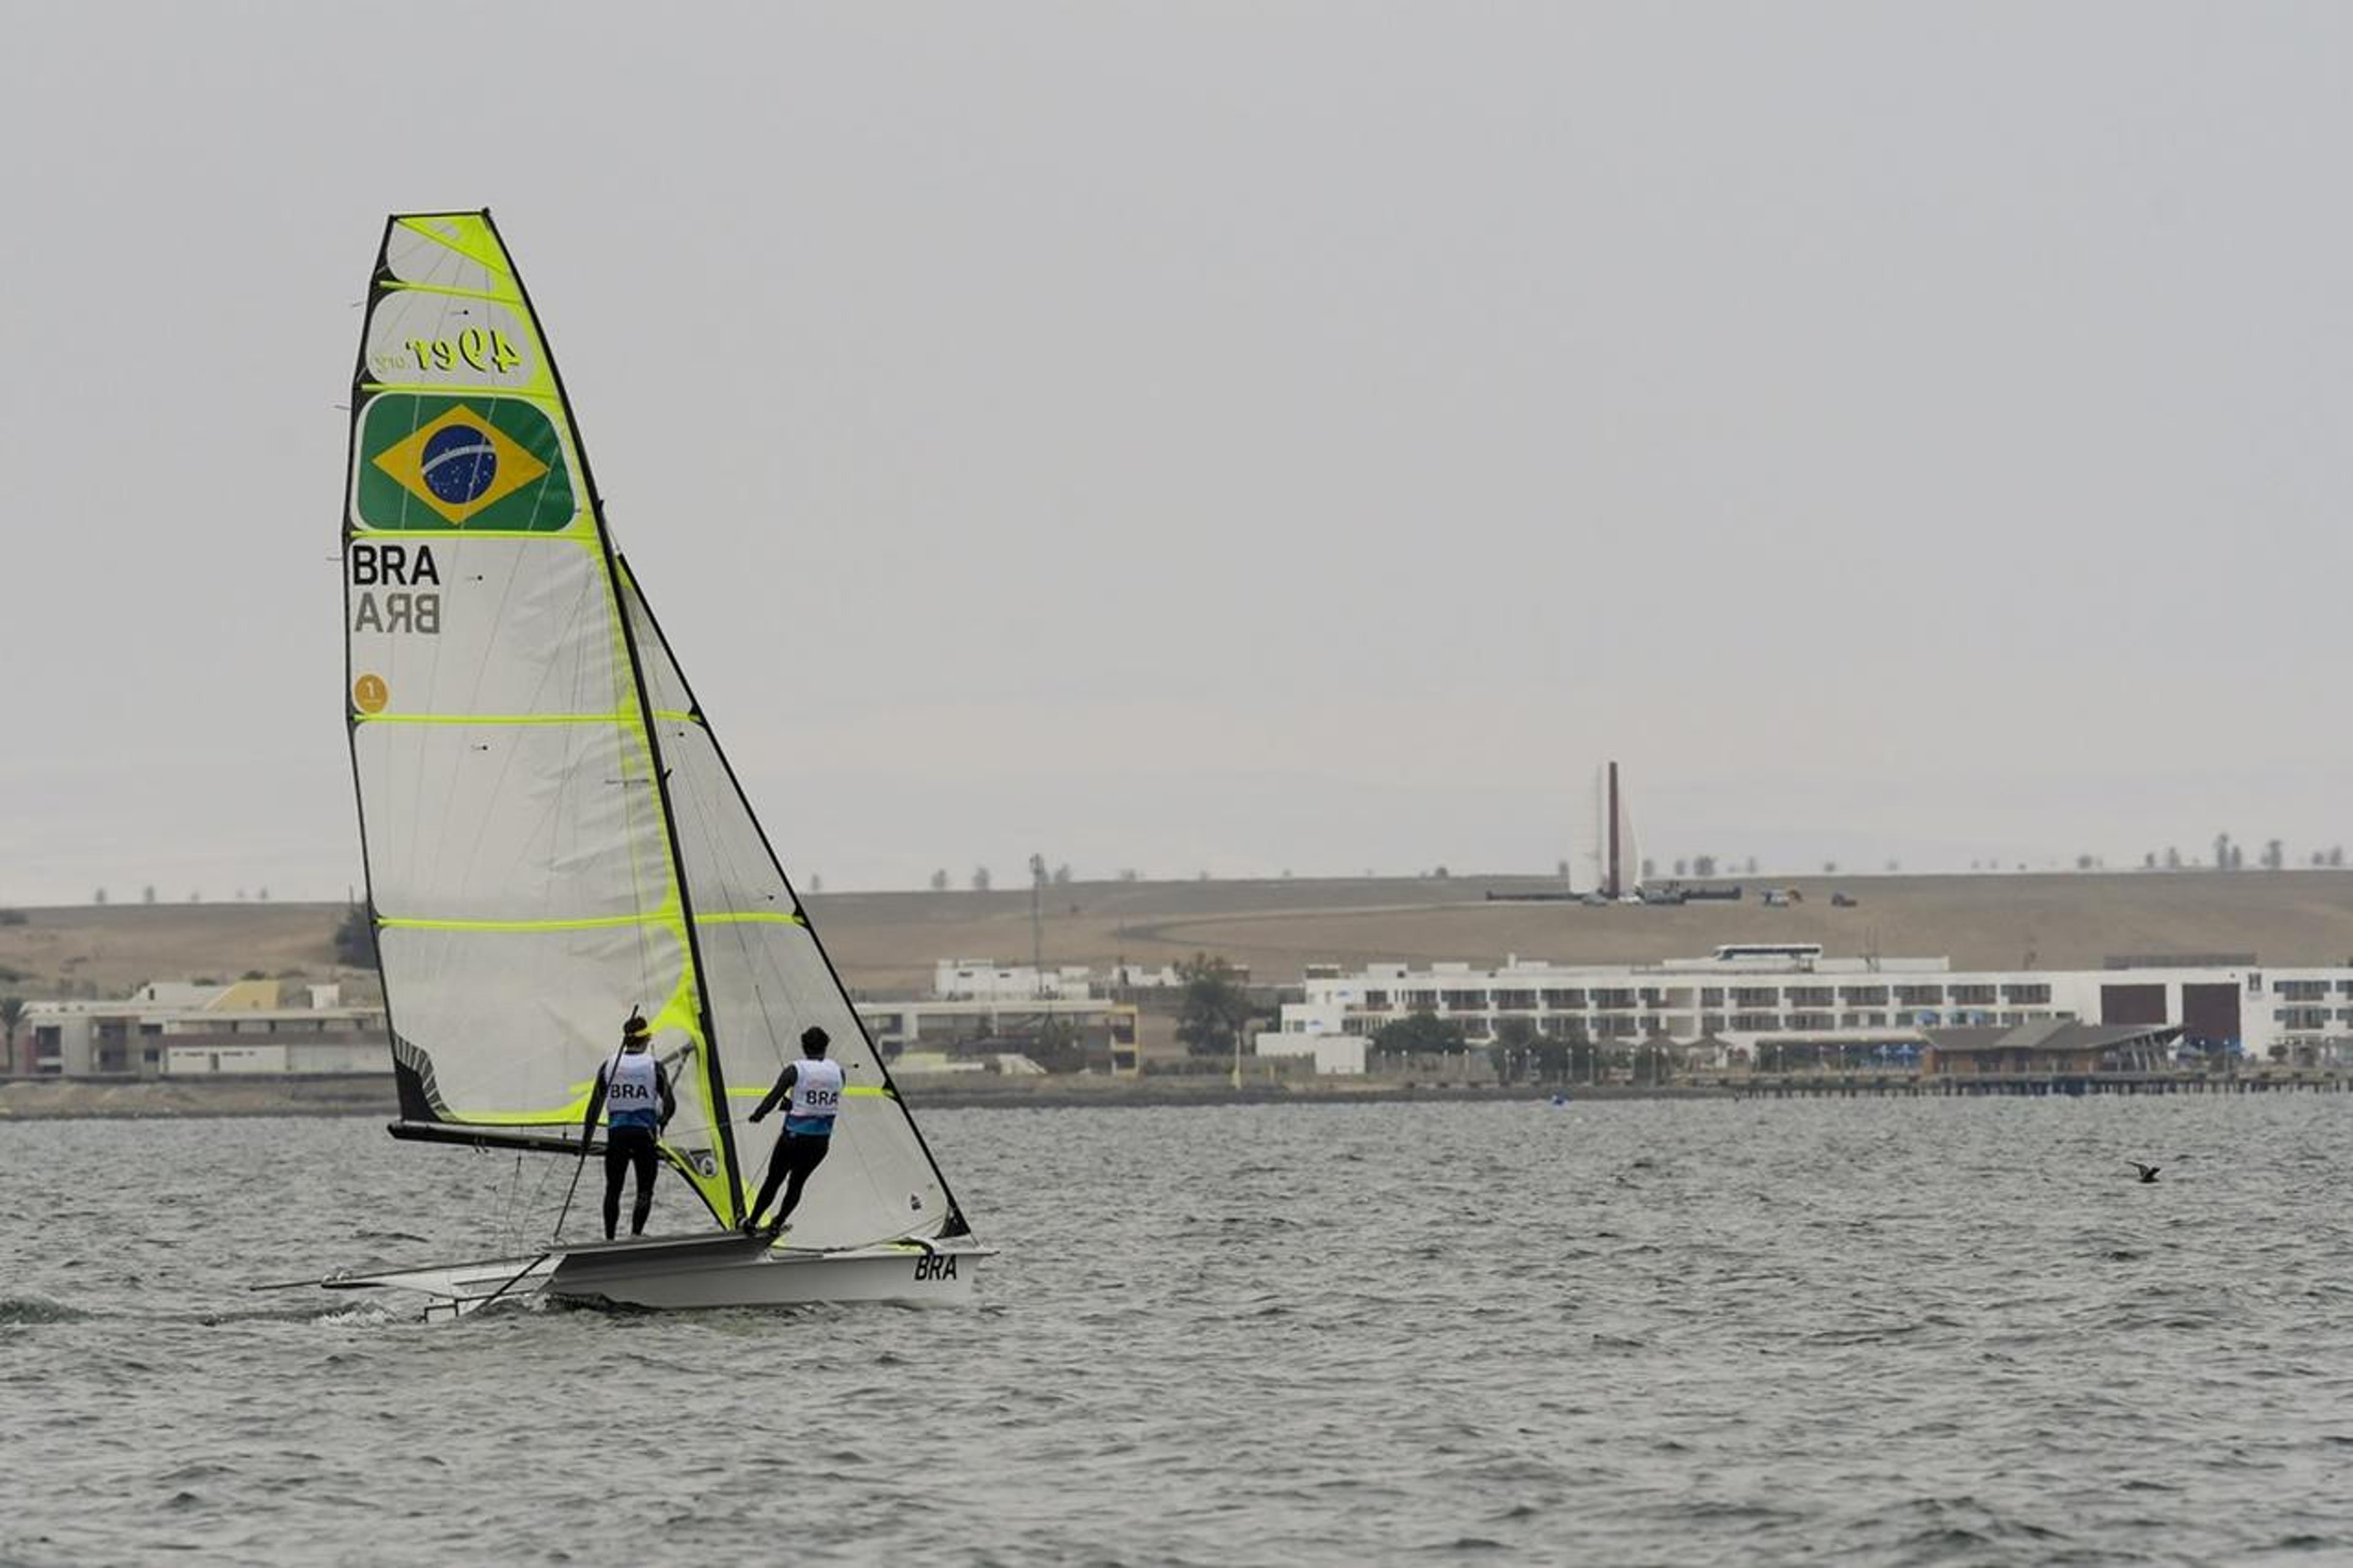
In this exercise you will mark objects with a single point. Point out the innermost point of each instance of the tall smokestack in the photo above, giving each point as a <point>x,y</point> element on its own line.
<point>1612,883</point>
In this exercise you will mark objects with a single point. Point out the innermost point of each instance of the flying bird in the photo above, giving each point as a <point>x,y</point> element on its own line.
<point>2148,1172</point>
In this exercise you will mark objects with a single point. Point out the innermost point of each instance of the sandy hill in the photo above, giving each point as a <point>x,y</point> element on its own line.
<point>106,950</point>
<point>887,943</point>
<point>2060,922</point>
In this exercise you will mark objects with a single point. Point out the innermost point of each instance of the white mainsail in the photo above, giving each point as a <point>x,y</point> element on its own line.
<point>553,837</point>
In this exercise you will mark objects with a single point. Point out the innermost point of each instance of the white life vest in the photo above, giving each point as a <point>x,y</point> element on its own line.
<point>817,1092</point>
<point>632,1096</point>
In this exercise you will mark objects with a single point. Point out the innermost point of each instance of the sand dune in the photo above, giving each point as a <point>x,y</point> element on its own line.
<point>2061,922</point>
<point>887,943</point>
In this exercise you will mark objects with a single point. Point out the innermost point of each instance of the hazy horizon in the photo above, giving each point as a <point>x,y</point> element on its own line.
<point>1307,438</point>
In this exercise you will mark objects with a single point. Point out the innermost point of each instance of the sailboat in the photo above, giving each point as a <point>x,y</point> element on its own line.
<point>554,837</point>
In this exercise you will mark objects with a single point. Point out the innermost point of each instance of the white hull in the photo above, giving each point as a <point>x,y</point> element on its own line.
<point>679,1273</point>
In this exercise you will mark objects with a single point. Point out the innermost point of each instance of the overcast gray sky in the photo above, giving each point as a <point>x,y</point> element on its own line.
<point>1233,437</point>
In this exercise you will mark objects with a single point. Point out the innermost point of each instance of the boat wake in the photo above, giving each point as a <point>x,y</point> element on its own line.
<point>38,1310</point>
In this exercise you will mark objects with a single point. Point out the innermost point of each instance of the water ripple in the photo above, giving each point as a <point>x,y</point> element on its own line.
<point>1688,1333</point>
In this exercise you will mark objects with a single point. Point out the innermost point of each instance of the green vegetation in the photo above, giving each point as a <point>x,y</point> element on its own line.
<point>355,938</point>
<point>1215,1010</point>
<point>12,1013</point>
<point>1058,1048</point>
<point>1418,1033</point>
<point>1516,1043</point>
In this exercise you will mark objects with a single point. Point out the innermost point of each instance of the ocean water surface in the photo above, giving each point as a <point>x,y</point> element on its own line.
<point>1690,1332</point>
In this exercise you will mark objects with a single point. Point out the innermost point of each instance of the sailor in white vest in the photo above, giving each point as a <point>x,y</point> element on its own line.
<point>810,1089</point>
<point>634,1093</point>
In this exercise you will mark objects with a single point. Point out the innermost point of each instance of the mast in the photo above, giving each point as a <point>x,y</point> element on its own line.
<point>715,1078</point>
<point>402,1079</point>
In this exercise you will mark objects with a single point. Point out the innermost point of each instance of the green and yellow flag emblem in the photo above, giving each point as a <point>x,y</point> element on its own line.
<point>480,462</point>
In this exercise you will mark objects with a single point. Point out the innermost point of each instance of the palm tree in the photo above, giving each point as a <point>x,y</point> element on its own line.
<point>12,1013</point>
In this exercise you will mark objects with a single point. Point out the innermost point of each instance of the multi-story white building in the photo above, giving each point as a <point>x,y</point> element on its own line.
<point>1745,993</point>
<point>986,980</point>
<point>925,1030</point>
<point>176,1029</point>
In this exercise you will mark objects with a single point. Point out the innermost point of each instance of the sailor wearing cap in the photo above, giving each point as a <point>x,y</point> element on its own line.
<point>634,1093</point>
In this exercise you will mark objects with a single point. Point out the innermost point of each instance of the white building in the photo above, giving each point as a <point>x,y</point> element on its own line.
<point>986,980</point>
<point>1341,1055</point>
<point>177,1029</point>
<point>1748,993</point>
<point>1106,1028</point>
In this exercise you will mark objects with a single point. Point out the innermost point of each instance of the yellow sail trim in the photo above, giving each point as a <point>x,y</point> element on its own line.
<point>681,1012</point>
<point>570,1114</point>
<point>628,716</point>
<point>562,1115</point>
<point>666,919</point>
<point>585,922</point>
<point>465,234</point>
<point>578,533</point>
<point>444,389</point>
<point>402,286</point>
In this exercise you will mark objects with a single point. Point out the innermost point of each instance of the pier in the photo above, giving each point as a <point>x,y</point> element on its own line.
<point>1869,1084</point>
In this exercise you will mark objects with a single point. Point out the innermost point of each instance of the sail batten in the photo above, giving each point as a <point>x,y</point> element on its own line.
<point>553,838</point>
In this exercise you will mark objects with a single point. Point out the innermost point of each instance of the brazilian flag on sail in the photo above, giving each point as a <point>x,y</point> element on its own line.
<point>473,462</point>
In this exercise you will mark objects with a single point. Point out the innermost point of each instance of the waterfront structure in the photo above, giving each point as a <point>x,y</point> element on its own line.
<point>1334,1055</point>
<point>2049,1049</point>
<point>1748,999</point>
<point>929,1030</point>
<point>200,1029</point>
<point>986,980</point>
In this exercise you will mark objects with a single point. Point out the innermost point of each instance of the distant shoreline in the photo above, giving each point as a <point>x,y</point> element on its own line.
<point>372,1095</point>
<point>134,1099</point>
<point>888,945</point>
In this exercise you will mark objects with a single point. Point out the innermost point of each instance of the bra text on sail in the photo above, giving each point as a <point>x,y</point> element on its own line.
<point>401,573</point>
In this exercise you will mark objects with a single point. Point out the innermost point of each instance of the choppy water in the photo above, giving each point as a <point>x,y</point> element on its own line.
<point>1689,1333</point>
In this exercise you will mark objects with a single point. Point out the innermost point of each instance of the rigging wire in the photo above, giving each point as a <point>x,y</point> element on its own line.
<point>701,796</point>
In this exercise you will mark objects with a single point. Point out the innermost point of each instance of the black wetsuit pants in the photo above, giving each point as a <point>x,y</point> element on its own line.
<point>626,1147</point>
<point>796,1157</point>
